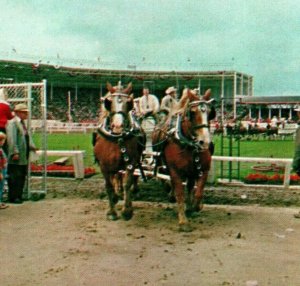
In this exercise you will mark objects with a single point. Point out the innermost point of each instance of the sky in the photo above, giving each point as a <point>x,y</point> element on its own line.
<point>257,37</point>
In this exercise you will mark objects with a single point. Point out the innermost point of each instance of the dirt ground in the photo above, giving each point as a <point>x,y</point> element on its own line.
<point>65,239</point>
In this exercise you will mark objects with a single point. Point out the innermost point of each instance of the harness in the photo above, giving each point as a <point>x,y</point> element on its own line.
<point>190,143</point>
<point>134,130</point>
<point>175,132</point>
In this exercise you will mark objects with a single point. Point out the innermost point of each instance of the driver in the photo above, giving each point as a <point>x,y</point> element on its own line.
<point>148,104</point>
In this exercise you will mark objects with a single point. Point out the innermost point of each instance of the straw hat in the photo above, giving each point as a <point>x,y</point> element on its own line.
<point>171,89</point>
<point>21,107</point>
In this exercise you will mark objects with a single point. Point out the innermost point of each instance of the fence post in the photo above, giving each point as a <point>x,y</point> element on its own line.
<point>212,173</point>
<point>287,175</point>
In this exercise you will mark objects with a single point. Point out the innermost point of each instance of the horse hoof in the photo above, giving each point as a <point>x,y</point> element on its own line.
<point>127,214</point>
<point>172,199</point>
<point>198,208</point>
<point>135,190</point>
<point>185,227</point>
<point>189,213</point>
<point>112,216</point>
<point>115,199</point>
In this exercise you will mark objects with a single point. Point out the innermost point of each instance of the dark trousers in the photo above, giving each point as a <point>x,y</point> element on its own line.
<point>16,181</point>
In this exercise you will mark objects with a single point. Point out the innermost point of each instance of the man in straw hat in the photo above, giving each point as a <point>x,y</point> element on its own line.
<point>169,102</point>
<point>19,145</point>
<point>296,159</point>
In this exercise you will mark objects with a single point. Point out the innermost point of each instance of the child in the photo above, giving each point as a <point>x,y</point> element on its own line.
<point>3,169</point>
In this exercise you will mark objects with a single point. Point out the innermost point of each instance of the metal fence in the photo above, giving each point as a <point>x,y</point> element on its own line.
<point>34,95</point>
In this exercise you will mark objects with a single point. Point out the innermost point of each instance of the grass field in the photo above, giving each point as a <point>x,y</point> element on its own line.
<point>255,148</point>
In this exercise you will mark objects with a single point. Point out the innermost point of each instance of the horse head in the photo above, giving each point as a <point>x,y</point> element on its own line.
<point>196,113</point>
<point>118,102</point>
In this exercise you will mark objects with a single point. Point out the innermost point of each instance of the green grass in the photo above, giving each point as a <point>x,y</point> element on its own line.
<point>74,141</point>
<point>255,148</point>
<point>258,148</point>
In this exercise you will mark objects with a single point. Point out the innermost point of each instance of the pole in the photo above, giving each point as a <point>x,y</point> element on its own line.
<point>69,106</point>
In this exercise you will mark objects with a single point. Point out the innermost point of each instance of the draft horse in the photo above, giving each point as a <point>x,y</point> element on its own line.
<point>185,150</point>
<point>118,148</point>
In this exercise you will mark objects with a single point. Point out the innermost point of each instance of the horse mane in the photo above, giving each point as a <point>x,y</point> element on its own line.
<point>188,95</point>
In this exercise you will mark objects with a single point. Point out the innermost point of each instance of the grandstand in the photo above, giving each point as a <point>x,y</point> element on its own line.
<point>86,86</point>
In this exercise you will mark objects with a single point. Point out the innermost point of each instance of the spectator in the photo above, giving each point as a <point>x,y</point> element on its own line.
<point>5,114</point>
<point>3,169</point>
<point>296,159</point>
<point>169,101</point>
<point>19,145</point>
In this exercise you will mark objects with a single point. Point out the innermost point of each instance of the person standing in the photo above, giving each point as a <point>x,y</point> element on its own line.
<point>3,169</point>
<point>5,114</point>
<point>19,145</point>
<point>296,159</point>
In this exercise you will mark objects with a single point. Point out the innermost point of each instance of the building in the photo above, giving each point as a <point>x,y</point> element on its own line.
<point>267,107</point>
<point>228,87</point>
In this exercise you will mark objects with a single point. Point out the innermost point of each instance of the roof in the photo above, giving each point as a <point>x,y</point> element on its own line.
<point>271,99</point>
<point>14,71</point>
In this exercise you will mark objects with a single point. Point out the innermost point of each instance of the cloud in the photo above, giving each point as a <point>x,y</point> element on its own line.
<point>261,38</point>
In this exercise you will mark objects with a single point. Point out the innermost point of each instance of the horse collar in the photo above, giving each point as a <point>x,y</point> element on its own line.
<point>183,140</point>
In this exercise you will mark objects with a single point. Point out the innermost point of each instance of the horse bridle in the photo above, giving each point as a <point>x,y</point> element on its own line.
<point>197,103</point>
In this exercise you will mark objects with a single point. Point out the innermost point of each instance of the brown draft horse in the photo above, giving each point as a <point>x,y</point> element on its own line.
<point>118,148</point>
<point>185,149</point>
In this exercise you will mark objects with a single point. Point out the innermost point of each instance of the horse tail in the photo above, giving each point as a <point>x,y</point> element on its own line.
<point>94,140</point>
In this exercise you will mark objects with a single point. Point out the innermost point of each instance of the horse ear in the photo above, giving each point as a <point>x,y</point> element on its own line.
<point>183,100</point>
<point>128,89</point>
<point>184,97</point>
<point>110,88</point>
<point>207,94</point>
<point>107,104</point>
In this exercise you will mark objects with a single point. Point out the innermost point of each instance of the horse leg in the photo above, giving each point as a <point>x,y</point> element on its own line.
<point>127,211</point>
<point>190,196</point>
<point>112,198</point>
<point>135,185</point>
<point>118,183</point>
<point>180,198</point>
<point>198,196</point>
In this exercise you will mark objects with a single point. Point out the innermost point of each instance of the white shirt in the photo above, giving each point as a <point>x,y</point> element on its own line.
<point>149,104</point>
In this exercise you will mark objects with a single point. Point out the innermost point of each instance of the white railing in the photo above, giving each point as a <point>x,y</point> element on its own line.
<point>287,163</point>
<point>77,156</point>
<point>54,126</point>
